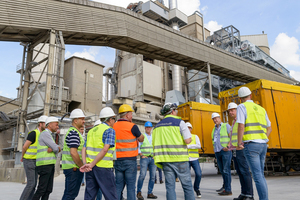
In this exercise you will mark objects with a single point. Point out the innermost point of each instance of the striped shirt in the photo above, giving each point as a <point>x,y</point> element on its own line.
<point>73,139</point>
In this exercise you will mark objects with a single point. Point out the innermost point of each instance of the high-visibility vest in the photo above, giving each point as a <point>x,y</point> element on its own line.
<point>42,156</point>
<point>126,142</point>
<point>167,141</point>
<point>32,149</point>
<point>67,160</point>
<point>256,123</point>
<point>193,153</point>
<point>146,148</point>
<point>224,138</point>
<point>94,145</point>
<point>234,136</point>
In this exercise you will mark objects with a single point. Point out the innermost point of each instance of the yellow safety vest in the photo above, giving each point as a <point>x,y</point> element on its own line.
<point>43,157</point>
<point>193,153</point>
<point>256,123</point>
<point>168,143</point>
<point>146,148</point>
<point>94,145</point>
<point>224,138</point>
<point>234,137</point>
<point>32,149</point>
<point>67,160</point>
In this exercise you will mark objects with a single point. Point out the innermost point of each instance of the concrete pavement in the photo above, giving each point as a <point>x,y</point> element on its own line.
<point>280,187</point>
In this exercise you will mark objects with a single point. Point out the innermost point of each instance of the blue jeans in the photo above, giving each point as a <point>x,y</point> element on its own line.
<point>126,171</point>
<point>196,166</point>
<point>224,161</point>
<point>255,154</point>
<point>242,169</point>
<point>146,163</point>
<point>181,170</point>
<point>72,183</point>
<point>100,178</point>
<point>159,173</point>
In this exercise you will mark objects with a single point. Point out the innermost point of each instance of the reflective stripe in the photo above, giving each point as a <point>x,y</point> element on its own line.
<point>255,124</point>
<point>94,157</point>
<point>41,150</point>
<point>146,147</point>
<point>233,141</point>
<point>224,137</point>
<point>170,146</point>
<point>126,141</point>
<point>170,153</point>
<point>146,152</point>
<point>32,147</point>
<point>195,152</point>
<point>69,153</point>
<point>98,150</point>
<point>45,158</point>
<point>254,132</point>
<point>127,149</point>
<point>30,153</point>
<point>67,162</point>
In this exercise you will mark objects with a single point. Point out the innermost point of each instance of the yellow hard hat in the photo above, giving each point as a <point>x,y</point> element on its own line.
<point>125,108</point>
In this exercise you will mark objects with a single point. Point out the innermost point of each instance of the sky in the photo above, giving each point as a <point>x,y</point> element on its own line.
<point>280,20</point>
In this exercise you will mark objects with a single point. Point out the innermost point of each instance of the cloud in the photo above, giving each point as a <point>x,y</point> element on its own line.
<point>298,29</point>
<point>186,6</point>
<point>295,75</point>
<point>286,50</point>
<point>204,10</point>
<point>89,54</point>
<point>213,26</point>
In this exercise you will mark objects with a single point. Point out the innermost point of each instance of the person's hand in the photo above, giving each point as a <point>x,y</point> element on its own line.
<point>225,149</point>
<point>86,168</point>
<point>59,150</point>
<point>144,156</point>
<point>21,159</point>
<point>49,150</point>
<point>240,147</point>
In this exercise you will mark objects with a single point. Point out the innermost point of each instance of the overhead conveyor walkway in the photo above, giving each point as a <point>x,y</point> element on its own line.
<point>85,22</point>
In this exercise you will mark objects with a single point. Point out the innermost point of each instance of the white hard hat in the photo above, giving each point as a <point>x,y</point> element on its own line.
<point>42,118</point>
<point>188,124</point>
<point>97,122</point>
<point>51,119</point>
<point>215,115</point>
<point>244,92</point>
<point>77,113</point>
<point>106,112</point>
<point>232,105</point>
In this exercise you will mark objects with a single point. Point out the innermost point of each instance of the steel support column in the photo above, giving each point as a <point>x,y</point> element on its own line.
<point>47,102</point>
<point>209,83</point>
<point>61,73</point>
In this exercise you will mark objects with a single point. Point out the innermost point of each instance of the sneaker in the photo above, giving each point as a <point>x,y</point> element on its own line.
<point>161,181</point>
<point>220,190</point>
<point>198,193</point>
<point>151,196</point>
<point>155,182</point>
<point>240,197</point>
<point>225,193</point>
<point>139,196</point>
<point>177,180</point>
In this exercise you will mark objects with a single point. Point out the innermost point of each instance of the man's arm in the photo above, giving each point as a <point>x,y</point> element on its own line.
<point>269,130</point>
<point>24,149</point>
<point>48,140</point>
<point>187,141</point>
<point>75,156</point>
<point>185,132</point>
<point>137,133</point>
<point>195,146</point>
<point>141,138</point>
<point>100,155</point>
<point>241,128</point>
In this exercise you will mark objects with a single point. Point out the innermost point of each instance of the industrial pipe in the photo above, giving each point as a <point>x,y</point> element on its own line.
<point>172,4</point>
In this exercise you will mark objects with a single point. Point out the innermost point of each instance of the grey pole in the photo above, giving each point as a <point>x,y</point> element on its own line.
<point>209,83</point>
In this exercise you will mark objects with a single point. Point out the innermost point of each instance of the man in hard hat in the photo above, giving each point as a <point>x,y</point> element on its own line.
<point>146,161</point>
<point>194,159</point>
<point>29,158</point>
<point>71,155</point>
<point>127,137</point>
<point>170,137</point>
<point>254,128</point>
<point>239,159</point>
<point>220,140</point>
<point>46,159</point>
<point>100,146</point>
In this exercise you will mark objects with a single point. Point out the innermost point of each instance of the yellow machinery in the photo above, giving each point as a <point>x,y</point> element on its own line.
<point>282,103</point>
<point>199,115</point>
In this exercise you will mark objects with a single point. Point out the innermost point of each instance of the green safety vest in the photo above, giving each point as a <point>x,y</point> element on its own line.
<point>146,148</point>
<point>234,136</point>
<point>256,123</point>
<point>67,160</point>
<point>224,138</point>
<point>42,156</point>
<point>168,143</point>
<point>193,153</point>
<point>94,145</point>
<point>32,149</point>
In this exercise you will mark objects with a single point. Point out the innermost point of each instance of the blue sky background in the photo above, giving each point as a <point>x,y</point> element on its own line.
<point>280,20</point>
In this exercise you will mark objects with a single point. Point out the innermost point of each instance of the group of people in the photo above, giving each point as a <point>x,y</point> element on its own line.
<point>109,153</point>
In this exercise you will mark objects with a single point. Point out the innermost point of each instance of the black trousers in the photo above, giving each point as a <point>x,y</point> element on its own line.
<point>46,173</point>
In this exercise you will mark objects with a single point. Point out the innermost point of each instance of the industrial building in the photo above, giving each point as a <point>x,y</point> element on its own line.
<point>162,55</point>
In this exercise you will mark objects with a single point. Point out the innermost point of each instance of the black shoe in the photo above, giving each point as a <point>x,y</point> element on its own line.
<point>139,196</point>
<point>225,193</point>
<point>240,197</point>
<point>249,198</point>
<point>161,181</point>
<point>198,193</point>
<point>151,196</point>
<point>155,182</point>
<point>220,190</point>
